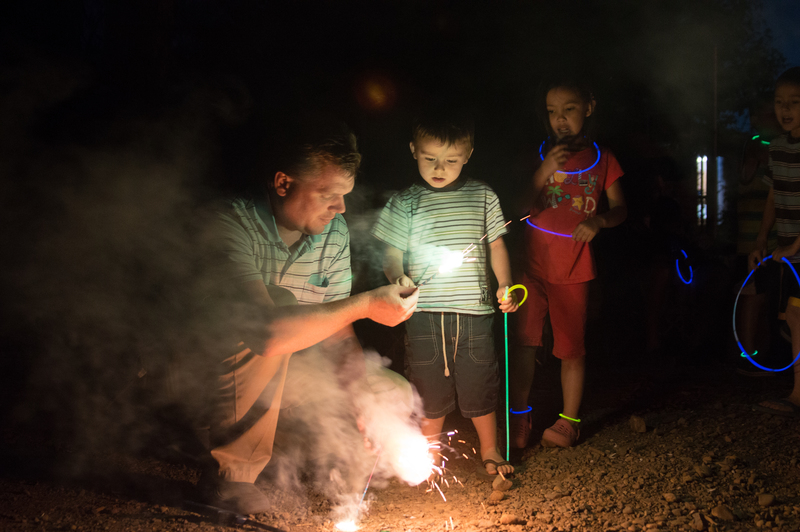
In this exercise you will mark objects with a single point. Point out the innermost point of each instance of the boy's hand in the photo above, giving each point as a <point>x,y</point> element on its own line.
<point>405,280</point>
<point>757,255</point>
<point>555,159</point>
<point>587,230</point>
<point>510,304</point>
<point>782,251</point>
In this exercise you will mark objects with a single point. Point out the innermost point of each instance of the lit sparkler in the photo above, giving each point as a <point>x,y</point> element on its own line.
<point>454,259</point>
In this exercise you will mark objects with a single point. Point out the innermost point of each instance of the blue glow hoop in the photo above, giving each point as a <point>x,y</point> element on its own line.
<point>678,269</point>
<point>547,230</point>
<point>596,147</point>
<point>736,302</point>
<point>521,411</point>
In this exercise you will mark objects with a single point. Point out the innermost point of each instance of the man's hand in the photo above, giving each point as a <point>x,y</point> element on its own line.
<point>405,280</point>
<point>510,304</point>
<point>392,304</point>
<point>587,230</point>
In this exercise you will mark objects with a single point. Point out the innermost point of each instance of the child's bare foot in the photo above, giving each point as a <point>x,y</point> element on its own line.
<point>494,463</point>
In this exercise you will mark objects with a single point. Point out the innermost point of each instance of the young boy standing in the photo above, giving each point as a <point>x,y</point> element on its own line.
<point>450,344</point>
<point>783,210</point>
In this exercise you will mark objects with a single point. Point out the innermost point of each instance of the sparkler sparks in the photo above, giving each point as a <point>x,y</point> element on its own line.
<point>454,259</point>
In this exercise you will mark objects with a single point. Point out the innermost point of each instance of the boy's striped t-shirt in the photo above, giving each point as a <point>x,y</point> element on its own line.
<point>429,226</point>
<point>316,272</point>
<point>783,175</point>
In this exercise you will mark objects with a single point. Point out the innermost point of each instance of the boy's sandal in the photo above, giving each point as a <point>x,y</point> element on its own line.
<point>790,410</point>
<point>485,475</point>
<point>561,434</point>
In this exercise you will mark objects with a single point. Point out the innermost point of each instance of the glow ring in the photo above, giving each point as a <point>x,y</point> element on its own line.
<point>579,171</point>
<point>736,302</point>
<point>511,289</point>
<point>546,230</point>
<point>521,411</point>
<point>678,269</point>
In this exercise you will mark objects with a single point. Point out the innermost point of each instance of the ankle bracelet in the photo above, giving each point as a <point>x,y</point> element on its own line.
<point>520,411</point>
<point>570,418</point>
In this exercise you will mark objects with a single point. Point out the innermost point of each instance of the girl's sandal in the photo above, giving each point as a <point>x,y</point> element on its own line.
<point>561,434</point>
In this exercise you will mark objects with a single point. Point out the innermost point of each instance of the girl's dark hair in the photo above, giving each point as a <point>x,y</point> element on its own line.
<point>564,81</point>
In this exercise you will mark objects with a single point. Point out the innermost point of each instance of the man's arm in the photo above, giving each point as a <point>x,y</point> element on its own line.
<point>292,328</point>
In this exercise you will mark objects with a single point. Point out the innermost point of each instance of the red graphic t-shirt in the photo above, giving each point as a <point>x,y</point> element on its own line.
<point>566,201</point>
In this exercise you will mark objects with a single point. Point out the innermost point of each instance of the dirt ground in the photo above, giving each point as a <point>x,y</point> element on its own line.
<point>668,450</point>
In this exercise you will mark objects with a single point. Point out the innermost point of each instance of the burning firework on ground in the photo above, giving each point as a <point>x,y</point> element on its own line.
<point>416,462</point>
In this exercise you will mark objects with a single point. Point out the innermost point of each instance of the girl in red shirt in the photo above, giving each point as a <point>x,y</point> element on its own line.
<point>573,174</point>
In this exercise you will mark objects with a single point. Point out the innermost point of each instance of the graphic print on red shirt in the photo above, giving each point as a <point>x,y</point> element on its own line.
<point>566,201</point>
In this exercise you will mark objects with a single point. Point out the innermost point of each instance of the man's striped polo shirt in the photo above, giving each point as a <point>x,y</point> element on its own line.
<point>318,270</point>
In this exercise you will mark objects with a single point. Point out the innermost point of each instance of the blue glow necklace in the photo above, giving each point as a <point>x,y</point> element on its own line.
<point>736,302</point>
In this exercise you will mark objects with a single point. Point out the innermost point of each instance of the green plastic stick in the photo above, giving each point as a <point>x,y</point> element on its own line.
<point>508,430</point>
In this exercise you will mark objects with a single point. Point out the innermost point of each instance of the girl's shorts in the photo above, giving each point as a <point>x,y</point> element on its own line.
<point>567,305</point>
<point>467,342</point>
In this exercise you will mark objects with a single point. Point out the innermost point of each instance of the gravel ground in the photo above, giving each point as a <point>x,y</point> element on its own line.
<point>683,451</point>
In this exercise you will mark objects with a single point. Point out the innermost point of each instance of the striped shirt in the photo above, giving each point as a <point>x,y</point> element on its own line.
<point>318,270</point>
<point>783,175</point>
<point>427,225</point>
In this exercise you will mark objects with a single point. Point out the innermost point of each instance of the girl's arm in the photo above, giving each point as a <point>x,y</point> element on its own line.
<point>616,214</point>
<point>393,267</point>
<point>498,256</point>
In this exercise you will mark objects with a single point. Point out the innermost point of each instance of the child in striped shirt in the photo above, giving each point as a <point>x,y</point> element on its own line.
<point>433,225</point>
<point>783,211</point>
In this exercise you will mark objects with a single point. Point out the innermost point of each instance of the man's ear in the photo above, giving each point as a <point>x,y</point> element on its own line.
<point>413,149</point>
<point>282,183</point>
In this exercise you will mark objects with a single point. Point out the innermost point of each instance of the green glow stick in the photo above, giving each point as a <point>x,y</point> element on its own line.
<point>508,406</point>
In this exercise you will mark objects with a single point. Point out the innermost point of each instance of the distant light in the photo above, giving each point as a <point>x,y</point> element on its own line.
<point>376,92</point>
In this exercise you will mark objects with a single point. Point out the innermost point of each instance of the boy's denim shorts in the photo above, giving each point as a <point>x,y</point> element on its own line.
<point>473,370</point>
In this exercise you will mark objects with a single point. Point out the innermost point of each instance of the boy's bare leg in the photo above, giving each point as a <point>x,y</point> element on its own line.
<point>753,311</point>
<point>521,377</point>
<point>573,372</point>
<point>486,426</point>
<point>793,320</point>
<point>432,429</point>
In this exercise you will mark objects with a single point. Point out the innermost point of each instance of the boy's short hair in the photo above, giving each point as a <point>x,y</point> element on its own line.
<point>448,127</point>
<point>789,76</point>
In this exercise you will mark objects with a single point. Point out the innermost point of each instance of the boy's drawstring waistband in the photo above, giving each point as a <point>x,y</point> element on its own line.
<point>444,345</point>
